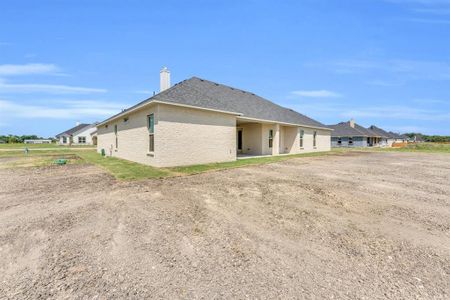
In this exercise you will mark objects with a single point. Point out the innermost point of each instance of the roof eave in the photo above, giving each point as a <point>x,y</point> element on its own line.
<point>284,123</point>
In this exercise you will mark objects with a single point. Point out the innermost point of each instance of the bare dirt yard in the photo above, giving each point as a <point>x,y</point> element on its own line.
<point>358,225</point>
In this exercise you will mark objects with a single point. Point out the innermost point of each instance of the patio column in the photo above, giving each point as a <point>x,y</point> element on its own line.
<point>276,140</point>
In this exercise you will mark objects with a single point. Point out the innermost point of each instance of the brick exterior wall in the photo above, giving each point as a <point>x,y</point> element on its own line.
<point>186,136</point>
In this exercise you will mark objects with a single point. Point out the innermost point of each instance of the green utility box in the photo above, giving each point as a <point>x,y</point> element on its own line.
<point>61,161</point>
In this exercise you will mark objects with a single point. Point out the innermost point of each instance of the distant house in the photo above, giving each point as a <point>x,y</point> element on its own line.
<point>350,134</point>
<point>386,138</point>
<point>198,121</point>
<point>398,138</point>
<point>37,141</point>
<point>81,134</point>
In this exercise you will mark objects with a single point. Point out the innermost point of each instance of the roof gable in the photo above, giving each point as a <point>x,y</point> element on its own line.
<point>380,131</point>
<point>344,129</point>
<point>73,130</point>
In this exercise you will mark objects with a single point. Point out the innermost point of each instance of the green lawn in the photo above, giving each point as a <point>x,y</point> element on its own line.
<point>40,146</point>
<point>126,170</point>
<point>123,169</point>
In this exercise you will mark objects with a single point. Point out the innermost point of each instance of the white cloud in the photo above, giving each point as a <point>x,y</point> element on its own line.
<point>27,69</point>
<point>316,94</point>
<point>401,69</point>
<point>46,88</point>
<point>66,109</point>
<point>429,21</point>
<point>424,2</point>
<point>397,112</point>
<point>433,11</point>
<point>383,83</point>
<point>146,92</point>
<point>430,101</point>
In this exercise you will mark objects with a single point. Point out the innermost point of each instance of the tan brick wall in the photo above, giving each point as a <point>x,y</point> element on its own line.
<point>186,136</point>
<point>133,137</point>
<point>183,136</point>
<point>191,136</point>
<point>323,141</point>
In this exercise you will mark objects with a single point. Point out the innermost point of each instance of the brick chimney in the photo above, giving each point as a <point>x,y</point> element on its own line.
<point>352,123</point>
<point>164,79</point>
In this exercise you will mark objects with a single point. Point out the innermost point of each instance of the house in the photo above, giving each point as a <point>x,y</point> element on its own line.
<point>351,134</point>
<point>386,137</point>
<point>398,138</point>
<point>197,121</point>
<point>37,141</point>
<point>81,134</point>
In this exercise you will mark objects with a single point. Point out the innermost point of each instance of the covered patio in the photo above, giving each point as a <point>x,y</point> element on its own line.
<point>258,139</point>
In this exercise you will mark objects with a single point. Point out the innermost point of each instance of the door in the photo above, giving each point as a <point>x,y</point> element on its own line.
<point>239,140</point>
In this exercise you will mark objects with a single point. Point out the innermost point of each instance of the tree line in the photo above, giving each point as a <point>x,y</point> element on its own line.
<point>11,139</point>
<point>429,138</point>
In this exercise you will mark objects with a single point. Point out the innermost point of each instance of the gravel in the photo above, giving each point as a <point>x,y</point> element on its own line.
<point>359,225</point>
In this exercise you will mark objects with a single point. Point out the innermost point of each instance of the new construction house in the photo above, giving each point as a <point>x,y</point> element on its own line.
<point>350,134</point>
<point>81,134</point>
<point>199,121</point>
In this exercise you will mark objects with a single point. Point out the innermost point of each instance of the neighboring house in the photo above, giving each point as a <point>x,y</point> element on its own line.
<point>38,141</point>
<point>198,121</point>
<point>386,138</point>
<point>81,134</point>
<point>350,134</point>
<point>398,138</point>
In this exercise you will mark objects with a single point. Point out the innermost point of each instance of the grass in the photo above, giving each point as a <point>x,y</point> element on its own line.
<point>24,161</point>
<point>126,170</point>
<point>419,147</point>
<point>194,169</point>
<point>123,169</point>
<point>41,146</point>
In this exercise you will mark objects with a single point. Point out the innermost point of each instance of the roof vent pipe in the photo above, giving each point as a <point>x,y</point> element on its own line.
<point>164,79</point>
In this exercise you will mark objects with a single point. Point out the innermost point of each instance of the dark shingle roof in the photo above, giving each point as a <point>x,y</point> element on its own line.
<point>396,135</point>
<point>207,94</point>
<point>73,130</point>
<point>366,131</point>
<point>380,131</point>
<point>344,129</point>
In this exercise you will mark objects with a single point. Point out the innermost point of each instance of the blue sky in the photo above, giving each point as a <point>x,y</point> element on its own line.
<point>383,62</point>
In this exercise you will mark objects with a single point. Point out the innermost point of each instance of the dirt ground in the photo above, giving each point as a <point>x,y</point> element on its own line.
<point>361,225</point>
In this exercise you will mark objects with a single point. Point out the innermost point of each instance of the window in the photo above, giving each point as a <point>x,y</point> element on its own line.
<point>350,141</point>
<point>302,134</point>
<point>64,139</point>
<point>315,139</point>
<point>151,123</point>
<point>81,140</point>
<point>151,132</point>
<point>125,120</point>
<point>115,133</point>
<point>270,138</point>
<point>339,141</point>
